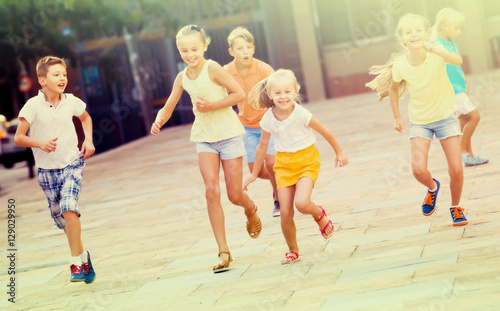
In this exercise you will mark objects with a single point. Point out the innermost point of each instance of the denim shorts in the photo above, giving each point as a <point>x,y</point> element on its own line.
<point>251,139</point>
<point>227,149</point>
<point>442,129</point>
<point>62,189</point>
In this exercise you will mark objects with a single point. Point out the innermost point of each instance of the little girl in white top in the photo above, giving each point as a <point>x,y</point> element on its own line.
<point>297,160</point>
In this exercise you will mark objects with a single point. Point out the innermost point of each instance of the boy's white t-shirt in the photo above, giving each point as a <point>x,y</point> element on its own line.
<point>47,122</point>
<point>293,133</point>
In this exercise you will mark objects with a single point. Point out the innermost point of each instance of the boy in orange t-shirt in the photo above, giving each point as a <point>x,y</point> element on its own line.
<point>249,71</point>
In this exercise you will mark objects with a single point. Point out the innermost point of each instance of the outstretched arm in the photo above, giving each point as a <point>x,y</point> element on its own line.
<point>220,76</point>
<point>260,155</point>
<point>394,98</point>
<point>449,57</point>
<point>166,112</point>
<point>88,148</point>
<point>340,157</point>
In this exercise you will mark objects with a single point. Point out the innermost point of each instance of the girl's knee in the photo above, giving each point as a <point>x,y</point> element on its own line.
<point>302,205</point>
<point>235,197</point>
<point>286,213</point>
<point>212,191</point>
<point>474,115</point>
<point>419,172</point>
<point>456,172</point>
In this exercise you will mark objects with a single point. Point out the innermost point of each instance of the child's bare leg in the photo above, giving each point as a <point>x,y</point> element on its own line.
<point>263,173</point>
<point>269,163</point>
<point>303,191</point>
<point>73,232</point>
<point>286,195</point>
<point>419,154</point>
<point>233,175</point>
<point>469,123</point>
<point>209,164</point>
<point>451,148</point>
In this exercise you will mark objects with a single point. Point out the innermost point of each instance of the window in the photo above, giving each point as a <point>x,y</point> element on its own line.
<point>359,21</point>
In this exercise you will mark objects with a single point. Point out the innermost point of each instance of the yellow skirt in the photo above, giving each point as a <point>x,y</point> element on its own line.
<point>289,167</point>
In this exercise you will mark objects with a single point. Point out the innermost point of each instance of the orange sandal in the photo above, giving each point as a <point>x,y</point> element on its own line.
<point>328,224</point>
<point>290,257</point>
<point>223,265</point>
<point>254,228</point>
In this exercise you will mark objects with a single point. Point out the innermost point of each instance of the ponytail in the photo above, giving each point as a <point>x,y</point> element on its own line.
<point>383,79</point>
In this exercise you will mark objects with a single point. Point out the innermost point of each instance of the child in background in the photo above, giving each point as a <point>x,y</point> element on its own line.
<point>297,160</point>
<point>248,71</point>
<point>53,139</point>
<point>216,131</point>
<point>447,28</point>
<point>431,108</point>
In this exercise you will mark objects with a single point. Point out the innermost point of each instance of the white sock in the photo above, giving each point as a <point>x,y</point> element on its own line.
<point>434,190</point>
<point>453,206</point>
<point>75,260</point>
<point>83,256</point>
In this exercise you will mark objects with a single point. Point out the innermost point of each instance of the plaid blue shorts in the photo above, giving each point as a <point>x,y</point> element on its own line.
<point>62,189</point>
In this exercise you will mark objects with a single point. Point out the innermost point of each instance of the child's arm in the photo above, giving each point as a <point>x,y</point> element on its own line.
<point>394,99</point>
<point>449,57</point>
<point>340,157</point>
<point>166,112</point>
<point>88,148</point>
<point>260,155</point>
<point>23,140</point>
<point>221,77</point>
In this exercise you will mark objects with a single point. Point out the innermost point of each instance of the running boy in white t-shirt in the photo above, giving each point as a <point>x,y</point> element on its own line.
<point>53,139</point>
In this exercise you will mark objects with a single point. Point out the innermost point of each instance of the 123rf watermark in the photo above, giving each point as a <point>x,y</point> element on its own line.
<point>11,250</point>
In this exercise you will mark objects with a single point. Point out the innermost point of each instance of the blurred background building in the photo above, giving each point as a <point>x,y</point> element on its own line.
<point>124,58</point>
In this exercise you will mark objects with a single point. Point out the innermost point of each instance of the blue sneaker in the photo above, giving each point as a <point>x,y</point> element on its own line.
<point>477,160</point>
<point>429,205</point>
<point>76,273</point>
<point>457,214</point>
<point>480,161</point>
<point>276,211</point>
<point>88,270</point>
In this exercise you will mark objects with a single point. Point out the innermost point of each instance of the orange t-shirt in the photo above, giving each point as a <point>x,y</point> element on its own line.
<point>249,116</point>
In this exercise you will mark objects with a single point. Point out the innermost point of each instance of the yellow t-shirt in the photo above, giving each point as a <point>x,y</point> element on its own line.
<point>248,115</point>
<point>214,125</point>
<point>432,97</point>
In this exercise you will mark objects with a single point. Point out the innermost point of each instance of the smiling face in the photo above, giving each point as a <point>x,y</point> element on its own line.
<point>56,79</point>
<point>414,33</point>
<point>283,93</point>
<point>242,51</point>
<point>192,48</point>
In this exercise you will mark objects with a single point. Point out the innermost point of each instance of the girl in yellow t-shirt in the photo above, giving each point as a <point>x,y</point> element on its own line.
<point>422,68</point>
<point>216,131</point>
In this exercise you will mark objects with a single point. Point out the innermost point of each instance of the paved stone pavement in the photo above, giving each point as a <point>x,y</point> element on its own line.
<point>145,223</point>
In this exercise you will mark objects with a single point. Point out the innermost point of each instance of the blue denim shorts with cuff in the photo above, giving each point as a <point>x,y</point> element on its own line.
<point>251,138</point>
<point>227,149</point>
<point>441,129</point>
<point>62,189</point>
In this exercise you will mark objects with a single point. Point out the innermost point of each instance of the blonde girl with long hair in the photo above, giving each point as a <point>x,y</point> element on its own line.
<point>216,132</point>
<point>422,68</point>
<point>297,161</point>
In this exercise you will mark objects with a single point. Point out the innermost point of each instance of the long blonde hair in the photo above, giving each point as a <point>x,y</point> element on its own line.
<point>259,95</point>
<point>383,79</point>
